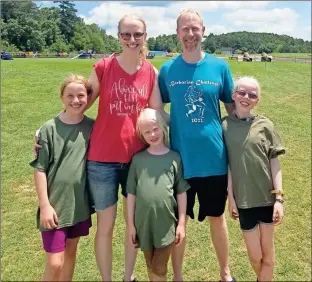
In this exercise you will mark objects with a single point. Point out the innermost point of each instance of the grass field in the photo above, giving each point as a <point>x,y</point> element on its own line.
<point>30,96</point>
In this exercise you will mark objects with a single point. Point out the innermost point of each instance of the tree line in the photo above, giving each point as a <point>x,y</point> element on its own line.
<point>25,26</point>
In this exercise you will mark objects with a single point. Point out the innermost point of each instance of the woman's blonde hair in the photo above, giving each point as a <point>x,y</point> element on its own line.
<point>144,49</point>
<point>246,80</point>
<point>151,114</point>
<point>76,78</point>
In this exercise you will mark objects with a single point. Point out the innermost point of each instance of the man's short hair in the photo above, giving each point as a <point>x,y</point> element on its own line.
<point>190,11</point>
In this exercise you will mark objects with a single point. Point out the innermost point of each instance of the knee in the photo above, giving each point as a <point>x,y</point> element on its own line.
<point>159,271</point>
<point>105,228</point>
<point>255,259</point>
<point>104,232</point>
<point>55,265</point>
<point>218,220</point>
<point>268,261</point>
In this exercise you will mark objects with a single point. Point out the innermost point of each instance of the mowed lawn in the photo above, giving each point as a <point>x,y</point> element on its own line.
<point>30,96</point>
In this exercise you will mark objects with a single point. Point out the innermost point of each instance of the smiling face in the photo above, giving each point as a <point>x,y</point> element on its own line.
<point>132,34</point>
<point>75,98</point>
<point>246,97</point>
<point>190,31</point>
<point>151,132</point>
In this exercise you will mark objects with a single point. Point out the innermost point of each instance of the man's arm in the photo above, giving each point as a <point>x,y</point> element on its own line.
<point>155,101</point>
<point>229,107</point>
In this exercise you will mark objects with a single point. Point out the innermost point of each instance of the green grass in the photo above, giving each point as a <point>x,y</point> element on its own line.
<point>30,96</point>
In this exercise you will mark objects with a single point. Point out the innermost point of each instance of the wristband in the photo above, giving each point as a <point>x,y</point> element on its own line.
<point>279,200</point>
<point>278,192</point>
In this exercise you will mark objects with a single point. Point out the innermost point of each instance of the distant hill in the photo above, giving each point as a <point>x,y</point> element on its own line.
<point>256,42</point>
<point>252,42</point>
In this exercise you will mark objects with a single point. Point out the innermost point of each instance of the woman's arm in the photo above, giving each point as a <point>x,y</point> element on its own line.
<point>94,82</point>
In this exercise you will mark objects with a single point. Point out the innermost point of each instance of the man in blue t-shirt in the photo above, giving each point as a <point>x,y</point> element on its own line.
<point>194,83</point>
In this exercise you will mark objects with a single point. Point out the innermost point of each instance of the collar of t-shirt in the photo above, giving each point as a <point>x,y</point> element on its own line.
<point>246,119</point>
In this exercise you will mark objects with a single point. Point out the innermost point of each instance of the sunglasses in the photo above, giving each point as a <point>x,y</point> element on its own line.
<point>127,35</point>
<point>250,95</point>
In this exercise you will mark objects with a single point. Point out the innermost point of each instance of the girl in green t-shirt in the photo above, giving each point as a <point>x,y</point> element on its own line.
<point>64,213</point>
<point>254,177</point>
<point>156,196</point>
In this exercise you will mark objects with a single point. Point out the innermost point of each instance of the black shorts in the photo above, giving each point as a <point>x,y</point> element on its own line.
<point>211,193</point>
<point>250,218</point>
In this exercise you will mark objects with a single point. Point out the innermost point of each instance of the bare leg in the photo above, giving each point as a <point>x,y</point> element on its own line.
<point>177,256</point>
<point>149,273</point>
<point>252,241</point>
<point>103,241</point>
<point>67,272</point>
<point>268,252</point>
<point>54,264</point>
<point>130,251</point>
<point>220,240</point>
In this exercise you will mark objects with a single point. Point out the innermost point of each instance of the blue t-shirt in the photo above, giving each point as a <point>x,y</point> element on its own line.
<point>194,91</point>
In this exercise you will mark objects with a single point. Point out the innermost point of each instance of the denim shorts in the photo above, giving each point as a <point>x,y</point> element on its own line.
<point>103,183</point>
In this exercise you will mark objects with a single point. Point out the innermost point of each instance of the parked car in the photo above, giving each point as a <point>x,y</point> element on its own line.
<point>6,56</point>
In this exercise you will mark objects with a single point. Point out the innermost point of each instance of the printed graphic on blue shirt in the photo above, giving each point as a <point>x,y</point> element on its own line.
<point>195,91</point>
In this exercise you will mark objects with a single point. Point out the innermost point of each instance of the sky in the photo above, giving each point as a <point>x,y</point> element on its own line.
<point>281,17</point>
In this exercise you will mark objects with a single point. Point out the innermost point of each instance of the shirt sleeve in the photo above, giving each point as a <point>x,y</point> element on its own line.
<point>227,88</point>
<point>132,180</point>
<point>162,85</point>
<point>180,184</point>
<point>44,154</point>
<point>275,144</point>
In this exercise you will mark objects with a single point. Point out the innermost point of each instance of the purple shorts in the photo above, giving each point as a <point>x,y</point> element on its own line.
<point>54,241</point>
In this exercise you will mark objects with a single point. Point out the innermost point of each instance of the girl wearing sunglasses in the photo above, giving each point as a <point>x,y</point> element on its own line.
<point>254,177</point>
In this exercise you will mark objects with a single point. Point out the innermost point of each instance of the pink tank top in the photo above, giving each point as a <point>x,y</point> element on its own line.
<point>122,97</point>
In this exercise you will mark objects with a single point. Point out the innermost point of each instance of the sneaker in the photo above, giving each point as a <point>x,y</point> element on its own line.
<point>133,280</point>
<point>233,280</point>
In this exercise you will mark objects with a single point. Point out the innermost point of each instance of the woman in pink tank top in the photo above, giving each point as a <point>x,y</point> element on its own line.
<point>125,84</point>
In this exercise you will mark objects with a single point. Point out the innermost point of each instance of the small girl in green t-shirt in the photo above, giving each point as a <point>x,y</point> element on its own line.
<point>156,196</point>
<point>64,213</point>
<point>254,177</point>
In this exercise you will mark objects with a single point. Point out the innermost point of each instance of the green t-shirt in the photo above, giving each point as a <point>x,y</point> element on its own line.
<point>155,180</point>
<point>63,159</point>
<point>250,146</point>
